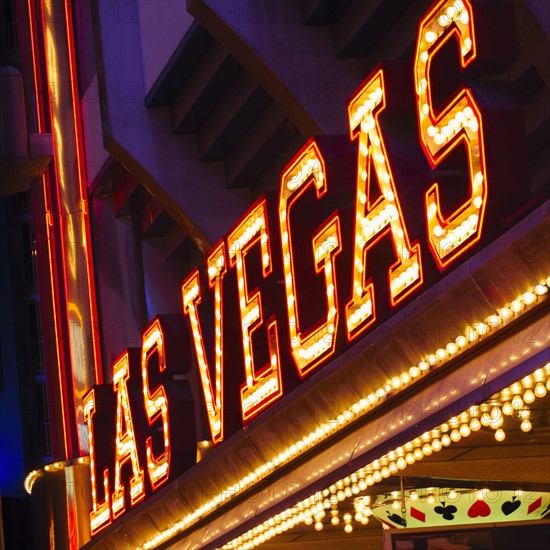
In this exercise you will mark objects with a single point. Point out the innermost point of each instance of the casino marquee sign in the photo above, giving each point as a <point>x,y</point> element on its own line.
<point>361,224</point>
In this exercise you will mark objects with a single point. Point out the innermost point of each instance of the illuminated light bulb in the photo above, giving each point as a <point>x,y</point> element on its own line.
<point>529,396</point>
<point>455,436</point>
<point>414,495</point>
<point>427,449</point>
<point>481,328</point>
<point>504,313</point>
<point>496,414</point>
<point>443,21</point>
<point>528,298</point>
<point>526,426</point>
<point>517,401</point>
<point>418,454</point>
<point>431,498</point>
<point>409,458</point>
<point>516,306</point>
<point>452,494</point>
<point>493,320</point>
<point>436,445</point>
<point>500,435</point>
<point>348,528</point>
<point>335,520</point>
<point>465,430</point>
<point>540,389</point>
<point>445,440</point>
<point>475,424</point>
<point>377,476</point>
<point>414,372</point>
<point>438,231</point>
<point>541,289</point>
<point>508,409</point>
<point>538,375</point>
<point>318,526</point>
<point>461,341</point>
<point>451,348</point>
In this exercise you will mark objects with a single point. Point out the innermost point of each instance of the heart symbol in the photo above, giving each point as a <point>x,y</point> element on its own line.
<point>479,508</point>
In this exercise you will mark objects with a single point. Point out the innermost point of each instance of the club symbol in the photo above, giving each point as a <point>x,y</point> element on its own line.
<point>447,512</point>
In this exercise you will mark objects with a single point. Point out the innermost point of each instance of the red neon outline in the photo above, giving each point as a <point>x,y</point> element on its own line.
<point>413,247</point>
<point>123,402</point>
<point>97,509</point>
<point>285,205</point>
<point>77,120</point>
<point>148,398</point>
<point>71,421</point>
<point>445,149</point>
<point>52,268</point>
<point>241,250</point>
<point>85,230</point>
<point>206,380</point>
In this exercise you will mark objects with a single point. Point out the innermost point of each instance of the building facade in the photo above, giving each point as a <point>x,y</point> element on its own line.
<point>292,261</point>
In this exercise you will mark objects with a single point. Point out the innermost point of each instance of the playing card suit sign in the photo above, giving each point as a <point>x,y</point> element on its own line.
<point>395,518</point>
<point>479,509</point>
<point>510,506</point>
<point>466,508</point>
<point>447,511</point>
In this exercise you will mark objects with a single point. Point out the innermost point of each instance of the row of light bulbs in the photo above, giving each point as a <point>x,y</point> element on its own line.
<point>33,476</point>
<point>473,333</point>
<point>313,509</point>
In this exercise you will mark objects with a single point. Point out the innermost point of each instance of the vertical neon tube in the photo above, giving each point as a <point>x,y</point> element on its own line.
<point>75,260</point>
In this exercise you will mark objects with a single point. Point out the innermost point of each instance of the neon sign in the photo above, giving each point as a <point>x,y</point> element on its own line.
<point>300,276</point>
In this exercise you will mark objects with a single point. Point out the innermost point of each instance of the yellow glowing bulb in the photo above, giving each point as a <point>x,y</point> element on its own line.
<point>526,426</point>
<point>500,435</point>
<point>465,430</point>
<point>528,396</point>
<point>475,424</point>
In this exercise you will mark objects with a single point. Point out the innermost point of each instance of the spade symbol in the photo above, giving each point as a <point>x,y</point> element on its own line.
<point>447,512</point>
<point>396,519</point>
<point>510,506</point>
